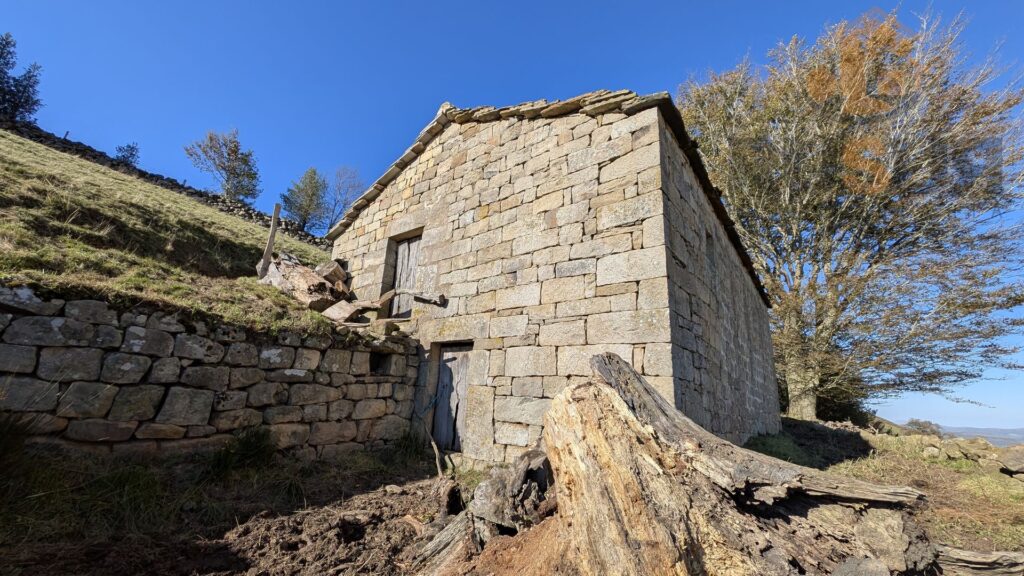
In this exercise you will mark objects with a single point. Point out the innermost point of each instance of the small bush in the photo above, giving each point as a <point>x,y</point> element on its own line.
<point>128,153</point>
<point>923,427</point>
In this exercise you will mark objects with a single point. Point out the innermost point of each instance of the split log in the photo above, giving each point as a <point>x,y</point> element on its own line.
<point>966,563</point>
<point>641,489</point>
<point>671,498</point>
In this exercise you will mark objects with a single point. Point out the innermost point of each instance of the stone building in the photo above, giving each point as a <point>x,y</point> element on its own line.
<point>557,231</point>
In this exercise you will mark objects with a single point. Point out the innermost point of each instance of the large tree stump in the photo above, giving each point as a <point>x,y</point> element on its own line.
<point>643,490</point>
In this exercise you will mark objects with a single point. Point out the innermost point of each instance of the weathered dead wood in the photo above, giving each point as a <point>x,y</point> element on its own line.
<point>966,563</point>
<point>268,252</point>
<point>451,546</point>
<point>642,490</point>
<point>648,491</point>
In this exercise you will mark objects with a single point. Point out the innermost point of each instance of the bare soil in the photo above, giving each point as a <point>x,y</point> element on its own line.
<point>345,522</point>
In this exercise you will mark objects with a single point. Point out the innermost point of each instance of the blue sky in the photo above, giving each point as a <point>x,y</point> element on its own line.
<point>330,83</point>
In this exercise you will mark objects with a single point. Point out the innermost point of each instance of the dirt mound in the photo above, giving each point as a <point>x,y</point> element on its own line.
<point>363,535</point>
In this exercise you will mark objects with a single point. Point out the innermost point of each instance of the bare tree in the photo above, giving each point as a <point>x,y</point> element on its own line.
<point>872,175</point>
<point>344,190</point>
<point>222,156</point>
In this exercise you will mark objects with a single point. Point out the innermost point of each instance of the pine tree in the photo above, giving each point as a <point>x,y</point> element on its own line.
<point>306,200</point>
<point>19,95</point>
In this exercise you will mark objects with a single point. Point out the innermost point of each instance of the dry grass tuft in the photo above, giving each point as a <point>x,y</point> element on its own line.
<point>78,229</point>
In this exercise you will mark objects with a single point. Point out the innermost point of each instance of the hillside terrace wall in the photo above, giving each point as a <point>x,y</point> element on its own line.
<point>80,374</point>
<point>548,236</point>
<point>236,208</point>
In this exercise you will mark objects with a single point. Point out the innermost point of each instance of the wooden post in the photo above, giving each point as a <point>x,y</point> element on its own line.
<point>268,252</point>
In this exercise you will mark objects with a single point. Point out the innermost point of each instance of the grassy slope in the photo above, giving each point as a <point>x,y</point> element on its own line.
<point>76,228</point>
<point>968,506</point>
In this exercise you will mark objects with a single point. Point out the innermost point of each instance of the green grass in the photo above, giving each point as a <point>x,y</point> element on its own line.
<point>968,505</point>
<point>76,229</point>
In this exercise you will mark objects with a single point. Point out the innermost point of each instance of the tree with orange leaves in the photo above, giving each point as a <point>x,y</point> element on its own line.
<point>874,178</point>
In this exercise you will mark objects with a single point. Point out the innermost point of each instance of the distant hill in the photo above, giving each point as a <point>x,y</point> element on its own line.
<point>997,436</point>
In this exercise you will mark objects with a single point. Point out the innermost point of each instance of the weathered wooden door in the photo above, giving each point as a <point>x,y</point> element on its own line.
<point>450,403</point>
<point>406,257</point>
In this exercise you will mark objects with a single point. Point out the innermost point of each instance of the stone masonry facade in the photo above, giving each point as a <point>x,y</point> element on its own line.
<point>558,231</point>
<point>79,374</point>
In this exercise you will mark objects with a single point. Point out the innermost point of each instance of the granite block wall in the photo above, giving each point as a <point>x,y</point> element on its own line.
<point>721,349</point>
<point>81,374</point>
<point>548,230</point>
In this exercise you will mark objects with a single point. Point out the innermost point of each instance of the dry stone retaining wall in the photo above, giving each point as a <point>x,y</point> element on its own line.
<point>79,373</point>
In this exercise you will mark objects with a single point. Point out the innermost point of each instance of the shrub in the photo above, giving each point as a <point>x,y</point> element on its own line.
<point>128,153</point>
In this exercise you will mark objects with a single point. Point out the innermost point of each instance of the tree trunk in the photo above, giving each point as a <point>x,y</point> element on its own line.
<point>801,388</point>
<point>799,369</point>
<point>641,489</point>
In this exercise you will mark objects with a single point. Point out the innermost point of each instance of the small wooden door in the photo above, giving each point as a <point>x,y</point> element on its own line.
<point>452,385</point>
<point>406,257</point>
